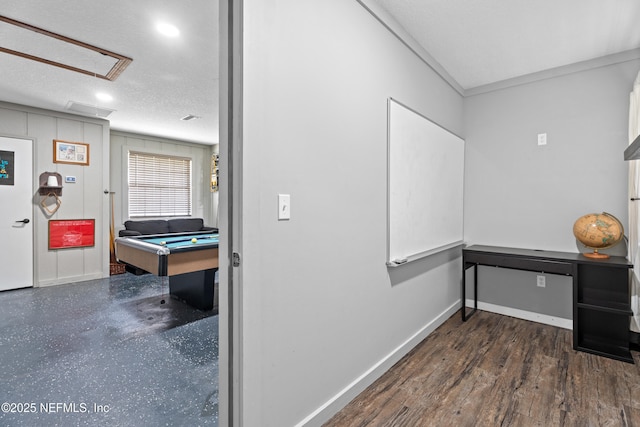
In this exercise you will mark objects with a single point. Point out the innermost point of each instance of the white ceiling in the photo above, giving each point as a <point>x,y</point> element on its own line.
<point>168,78</point>
<point>477,42</point>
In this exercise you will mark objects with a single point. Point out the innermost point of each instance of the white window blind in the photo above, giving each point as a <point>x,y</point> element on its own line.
<point>159,185</point>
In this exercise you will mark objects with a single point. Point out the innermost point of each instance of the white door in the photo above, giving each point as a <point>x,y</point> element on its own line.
<point>16,210</point>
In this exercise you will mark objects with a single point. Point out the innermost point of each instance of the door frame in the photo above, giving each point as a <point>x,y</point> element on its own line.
<point>230,199</point>
<point>34,190</point>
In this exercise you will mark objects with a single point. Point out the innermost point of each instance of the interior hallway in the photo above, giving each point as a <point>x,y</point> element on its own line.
<point>106,352</point>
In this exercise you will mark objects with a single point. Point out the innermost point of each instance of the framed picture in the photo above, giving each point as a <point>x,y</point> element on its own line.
<point>72,233</point>
<point>214,173</point>
<point>74,153</point>
<point>6,167</point>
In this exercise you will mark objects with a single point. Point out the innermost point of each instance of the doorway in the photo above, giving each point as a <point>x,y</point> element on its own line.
<point>230,119</point>
<point>16,226</point>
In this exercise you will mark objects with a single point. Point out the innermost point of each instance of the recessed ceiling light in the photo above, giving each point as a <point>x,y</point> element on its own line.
<point>190,117</point>
<point>167,29</point>
<point>104,96</point>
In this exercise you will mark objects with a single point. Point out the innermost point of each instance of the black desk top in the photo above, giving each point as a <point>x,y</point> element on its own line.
<point>573,257</point>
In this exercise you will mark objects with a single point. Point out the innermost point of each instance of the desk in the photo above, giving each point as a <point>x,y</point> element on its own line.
<point>191,267</point>
<point>601,296</point>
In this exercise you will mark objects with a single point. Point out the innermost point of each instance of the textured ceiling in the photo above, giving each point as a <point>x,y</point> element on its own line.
<point>168,78</point>
<point>479,42</point>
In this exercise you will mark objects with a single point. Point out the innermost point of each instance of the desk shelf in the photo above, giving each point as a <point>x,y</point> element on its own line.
<point>602,307</point>
<point>608,285</point>
<point>608,307</point>
<point>604,334</point>
<point>612,352</point>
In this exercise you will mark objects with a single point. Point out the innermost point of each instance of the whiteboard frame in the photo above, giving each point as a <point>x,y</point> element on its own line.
<point>429,252</point>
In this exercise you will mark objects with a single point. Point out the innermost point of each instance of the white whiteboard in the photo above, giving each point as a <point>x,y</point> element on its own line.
<point>425,186</point>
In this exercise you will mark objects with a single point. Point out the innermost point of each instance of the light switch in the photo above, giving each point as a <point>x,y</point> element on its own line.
<point>284,206</point>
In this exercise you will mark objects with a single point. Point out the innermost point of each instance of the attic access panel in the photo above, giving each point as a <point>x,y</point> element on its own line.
<point>30,42</point>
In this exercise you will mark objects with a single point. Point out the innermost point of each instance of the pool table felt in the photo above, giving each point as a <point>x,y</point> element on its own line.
<point>183,240</point>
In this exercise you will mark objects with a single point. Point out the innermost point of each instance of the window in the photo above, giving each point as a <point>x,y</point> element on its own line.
<point>159,185</point>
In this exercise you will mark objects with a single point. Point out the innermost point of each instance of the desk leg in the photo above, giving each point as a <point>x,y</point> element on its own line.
<point>464,291</point>
<point>475,288</point>
<point>465,267</point>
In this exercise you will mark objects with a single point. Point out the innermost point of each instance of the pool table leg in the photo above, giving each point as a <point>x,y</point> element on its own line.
<point>196,288</point>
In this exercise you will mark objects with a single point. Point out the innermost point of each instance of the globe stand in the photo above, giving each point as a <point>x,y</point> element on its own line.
<point>595,255</point>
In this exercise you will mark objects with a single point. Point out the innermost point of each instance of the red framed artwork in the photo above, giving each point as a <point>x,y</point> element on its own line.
<point>72,233</point>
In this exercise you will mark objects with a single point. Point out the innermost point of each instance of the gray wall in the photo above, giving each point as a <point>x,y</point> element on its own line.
<point>320,308</point>
<point>204,202</point>
<point>520,194</point>
<point>84,199</point>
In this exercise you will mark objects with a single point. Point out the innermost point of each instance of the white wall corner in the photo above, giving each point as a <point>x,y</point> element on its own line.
<point>398,30</point>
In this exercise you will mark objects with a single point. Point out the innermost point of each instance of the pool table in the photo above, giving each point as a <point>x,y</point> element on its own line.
<point>190,264</point>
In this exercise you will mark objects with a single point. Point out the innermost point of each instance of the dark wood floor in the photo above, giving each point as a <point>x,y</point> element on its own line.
<point>496,370</point>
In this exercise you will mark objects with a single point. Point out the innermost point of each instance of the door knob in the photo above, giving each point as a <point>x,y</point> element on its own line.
<point>24,221</point>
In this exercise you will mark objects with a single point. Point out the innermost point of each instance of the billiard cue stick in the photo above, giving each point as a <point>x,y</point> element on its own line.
<point>189,239</point>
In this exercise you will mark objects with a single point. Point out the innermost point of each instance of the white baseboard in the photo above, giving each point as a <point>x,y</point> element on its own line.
<point>522,314</point>
<point>67,280</point>
<point>346,395</point>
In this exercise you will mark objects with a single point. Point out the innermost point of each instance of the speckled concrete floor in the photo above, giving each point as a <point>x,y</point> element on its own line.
<point>106,352</point>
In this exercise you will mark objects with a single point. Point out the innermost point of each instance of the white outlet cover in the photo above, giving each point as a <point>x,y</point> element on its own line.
<point>542,139</point>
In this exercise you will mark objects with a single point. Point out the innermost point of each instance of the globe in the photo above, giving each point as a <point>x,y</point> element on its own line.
<point>598,231</point>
